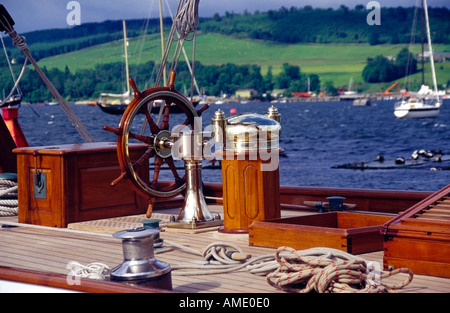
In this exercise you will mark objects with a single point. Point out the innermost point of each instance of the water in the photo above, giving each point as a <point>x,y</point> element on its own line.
<point>315,136</point>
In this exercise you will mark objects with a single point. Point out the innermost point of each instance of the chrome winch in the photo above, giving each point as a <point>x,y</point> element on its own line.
<point>140,267</point>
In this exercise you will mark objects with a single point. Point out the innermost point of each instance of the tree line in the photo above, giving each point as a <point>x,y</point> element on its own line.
<point>343,25</point>
<point>213,80</point>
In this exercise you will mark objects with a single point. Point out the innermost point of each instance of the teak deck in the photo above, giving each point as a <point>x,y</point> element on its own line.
<point>50,249</point>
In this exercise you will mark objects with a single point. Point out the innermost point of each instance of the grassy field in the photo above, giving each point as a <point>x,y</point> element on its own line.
<point>332,62</point>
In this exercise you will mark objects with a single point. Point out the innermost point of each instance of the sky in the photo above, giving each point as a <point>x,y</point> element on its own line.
<point>32,15</point>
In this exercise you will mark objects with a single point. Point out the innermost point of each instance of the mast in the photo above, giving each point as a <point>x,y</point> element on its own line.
<point>161,24</point>
<point>430,48</point>
<point>422,41</point>
<point>125,43</point>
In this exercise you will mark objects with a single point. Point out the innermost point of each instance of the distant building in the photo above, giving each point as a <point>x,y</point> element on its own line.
<point>438,56</point>
<point>277,93</point>
<point>246,93</point>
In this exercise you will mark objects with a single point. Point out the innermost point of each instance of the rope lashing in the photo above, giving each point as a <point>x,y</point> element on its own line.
<point>8,198</point>
<point>187,20</point>
<point>335,272</point>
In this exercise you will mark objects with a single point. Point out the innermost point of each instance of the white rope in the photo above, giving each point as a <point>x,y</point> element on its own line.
<point>96,270</point>
<point>328,270</point>
<point>218,260</point>
<point>8,198</point>
<point>317,269</point>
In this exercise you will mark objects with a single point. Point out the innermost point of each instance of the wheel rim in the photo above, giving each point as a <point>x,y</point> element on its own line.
<point>153,135</point>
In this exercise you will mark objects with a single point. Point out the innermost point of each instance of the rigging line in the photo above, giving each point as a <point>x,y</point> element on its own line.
<point>16,84</point>
<point>191,71</point>
<point>185,22</point>
<point>9,65</point>
<point>166,52</point>
<point>194,44</point>
<point>20,43</point>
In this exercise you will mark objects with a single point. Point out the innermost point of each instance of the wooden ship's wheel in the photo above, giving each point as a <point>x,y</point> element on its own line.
<point>138,125</point>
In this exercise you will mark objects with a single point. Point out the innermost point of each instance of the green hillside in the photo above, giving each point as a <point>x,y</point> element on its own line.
<point>336,50</point>
<point>345,62</point>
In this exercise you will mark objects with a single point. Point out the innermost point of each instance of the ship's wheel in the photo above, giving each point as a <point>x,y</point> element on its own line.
<point>148,121</point>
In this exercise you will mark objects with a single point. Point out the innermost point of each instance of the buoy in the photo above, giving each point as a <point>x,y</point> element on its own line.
<point>233,111</point>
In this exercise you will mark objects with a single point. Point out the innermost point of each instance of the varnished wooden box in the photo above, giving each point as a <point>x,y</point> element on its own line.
<point>75,184</point>
<point>249,193</point>
<point>354,233</point>
<point>419,238</point>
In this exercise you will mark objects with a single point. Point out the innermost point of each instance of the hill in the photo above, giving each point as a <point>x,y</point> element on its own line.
<point>336,49</point>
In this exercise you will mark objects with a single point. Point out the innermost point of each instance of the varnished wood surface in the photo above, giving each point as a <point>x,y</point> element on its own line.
<point>50,250</point>
<point>78,184</point>
<point>420,236</point>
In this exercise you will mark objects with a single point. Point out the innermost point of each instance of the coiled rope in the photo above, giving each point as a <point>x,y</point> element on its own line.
<point>8,198</point>
<point>219,260</point>
<point>333,272</point>
<point>322,270</point>
<point>97,271</point>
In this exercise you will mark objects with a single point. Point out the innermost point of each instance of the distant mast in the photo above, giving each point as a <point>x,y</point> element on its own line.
<point>430,48</point>
<point>161,24</point>
<point>125,43</point>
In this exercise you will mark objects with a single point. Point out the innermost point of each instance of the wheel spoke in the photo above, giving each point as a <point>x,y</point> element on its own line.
<point>145,139</point>
<point>165,121</point>
<point>150,153</point>
<point>153,127</point>
<point>158,163</point>
<point>158,136</point>
<point>171,164</point>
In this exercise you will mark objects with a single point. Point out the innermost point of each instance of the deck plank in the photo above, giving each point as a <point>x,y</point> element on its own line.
<point>50,250</point>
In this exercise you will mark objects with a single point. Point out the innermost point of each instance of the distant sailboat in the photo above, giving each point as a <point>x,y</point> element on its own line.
<point>117,103</point>
<point>426,102</point>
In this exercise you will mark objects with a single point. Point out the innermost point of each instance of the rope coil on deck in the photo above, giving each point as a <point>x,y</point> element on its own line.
<point>335,272</point>
<point>8,198</point>
<point>95,270</point>
<point>322,270</point>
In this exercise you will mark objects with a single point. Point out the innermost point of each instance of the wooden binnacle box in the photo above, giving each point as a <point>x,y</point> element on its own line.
<point>73,184</point>
<point>354,233</point>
